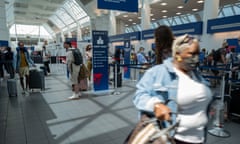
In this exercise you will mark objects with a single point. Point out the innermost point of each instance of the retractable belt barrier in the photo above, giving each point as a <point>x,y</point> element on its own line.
<point>218,129</point>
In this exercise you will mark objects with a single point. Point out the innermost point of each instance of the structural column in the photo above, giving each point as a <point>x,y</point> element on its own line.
<point>4,31</point>
<point>210,11</point>
<point>112,23</point>
<point>145,14</point>
<point>145,21</point>
<point>79,32</point>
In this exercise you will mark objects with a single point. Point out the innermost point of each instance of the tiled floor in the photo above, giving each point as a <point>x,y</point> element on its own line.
<point>49,118</point>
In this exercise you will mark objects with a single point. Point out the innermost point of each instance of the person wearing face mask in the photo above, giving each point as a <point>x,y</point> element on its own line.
<point>22,64</point>
<point>177,82</point>
<point>142,62</point>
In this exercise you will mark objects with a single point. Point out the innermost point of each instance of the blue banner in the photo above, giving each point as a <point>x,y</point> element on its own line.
<point>122,5</point>
<point>231,23</point>
<point>100,60</point>
<point>127,50</point>
<point>3,43</point>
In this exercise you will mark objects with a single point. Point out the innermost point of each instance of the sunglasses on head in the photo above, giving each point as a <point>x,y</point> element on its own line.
<point>187,40</point>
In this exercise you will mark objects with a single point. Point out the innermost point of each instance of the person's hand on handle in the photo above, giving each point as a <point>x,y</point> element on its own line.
<point>162,112</point>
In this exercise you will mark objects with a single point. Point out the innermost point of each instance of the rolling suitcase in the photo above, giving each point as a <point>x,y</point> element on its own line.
<point>12,87</point>
<point>36,79</point>
<point>234,103</point>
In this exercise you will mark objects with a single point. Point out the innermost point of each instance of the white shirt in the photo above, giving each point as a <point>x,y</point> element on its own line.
<point>193,99</point>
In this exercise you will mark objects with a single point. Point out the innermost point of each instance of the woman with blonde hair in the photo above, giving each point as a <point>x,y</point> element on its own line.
<point>177,81</point>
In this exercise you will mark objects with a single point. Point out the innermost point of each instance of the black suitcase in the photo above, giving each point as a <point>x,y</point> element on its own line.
<point>12,87</point>
<point>36,79</point>
<point>235,100</point>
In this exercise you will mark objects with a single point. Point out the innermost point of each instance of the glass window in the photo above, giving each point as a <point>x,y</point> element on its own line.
<point>63,15</point>
<point>237,9</point>
<point>177,20</point>
<point>29,30</point>
<point>192,18</point>
<point>57,21</point>
<point>228,11</point>
<point>74,9</point>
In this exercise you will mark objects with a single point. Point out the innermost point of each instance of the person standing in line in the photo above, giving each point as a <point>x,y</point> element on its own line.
<point>46,59</point>
<point>142,62</point>
<point>177,81</point>
<point>73,70</point>
<point>22,63</point>
<point>89,60</point>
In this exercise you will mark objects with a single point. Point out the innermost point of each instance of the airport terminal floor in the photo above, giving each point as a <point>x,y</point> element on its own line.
<point>48,117</point>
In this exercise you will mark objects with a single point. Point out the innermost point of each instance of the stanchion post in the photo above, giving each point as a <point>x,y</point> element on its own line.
<point>115,79</point>
<point>218,129</point>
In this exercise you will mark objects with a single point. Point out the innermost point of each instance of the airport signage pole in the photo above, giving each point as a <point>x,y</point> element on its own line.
<point>100,60</point>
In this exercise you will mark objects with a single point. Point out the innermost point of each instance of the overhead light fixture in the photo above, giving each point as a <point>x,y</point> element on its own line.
<point>194,9</point>
<point>164,16</point>
<point>139,17</point>
<point>200,1</point>
<point>163,4</point>
<point>125,16</point>
<point>126,25</point>
<point>130,20</point>
<point>151,14</point>
<point>164,11</point>
<point>153,19</point>
<point>180,7</point>
<point>178,13</point>
<point>134,23</point>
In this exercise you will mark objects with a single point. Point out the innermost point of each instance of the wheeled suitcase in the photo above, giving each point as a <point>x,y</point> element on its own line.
<point>36,79</point>
<point>12,87</point>
<point>235,99</point>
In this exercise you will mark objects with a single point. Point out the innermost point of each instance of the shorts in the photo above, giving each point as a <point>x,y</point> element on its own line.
<point>23,71</point>
<point>75,73</point>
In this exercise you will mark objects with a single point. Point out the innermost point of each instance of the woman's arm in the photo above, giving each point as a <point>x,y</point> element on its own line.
<point>146,97</point>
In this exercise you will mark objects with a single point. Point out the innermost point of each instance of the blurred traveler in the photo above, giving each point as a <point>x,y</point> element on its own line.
<point>177,81</point>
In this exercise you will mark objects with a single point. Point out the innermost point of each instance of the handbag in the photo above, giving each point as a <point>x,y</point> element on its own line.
<point>150,130</point>
<point>83,73</point>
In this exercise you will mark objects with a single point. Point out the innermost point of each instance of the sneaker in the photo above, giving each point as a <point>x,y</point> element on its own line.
<point>79,94</point>
<point>23,92</point>
<point>73,97</point>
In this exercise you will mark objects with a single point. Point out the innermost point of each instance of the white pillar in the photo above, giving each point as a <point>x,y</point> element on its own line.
<point>79,33</point>
<point>69,34</point>
<point>120,29</point>
<point>39,34</point>
<point>145,14</point>
<point>62,36</point>
<point>112,23</point>
<point>4,31</point>
<point>145,21</point>
<point>210,11</point>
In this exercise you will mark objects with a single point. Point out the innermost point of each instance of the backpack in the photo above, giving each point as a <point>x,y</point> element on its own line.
<point>77,56</point>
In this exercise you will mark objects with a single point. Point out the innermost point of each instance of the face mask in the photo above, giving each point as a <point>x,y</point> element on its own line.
<point>190,63</point>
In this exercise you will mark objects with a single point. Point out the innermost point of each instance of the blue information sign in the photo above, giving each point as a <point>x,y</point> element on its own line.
<point>127,50</point>
<point>3,43</point>
<point>122,5</point>
<point>100,60</point>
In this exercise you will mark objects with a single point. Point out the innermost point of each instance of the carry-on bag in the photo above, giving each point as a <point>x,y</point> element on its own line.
<point>12,87</point>
<point>36,79</point>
